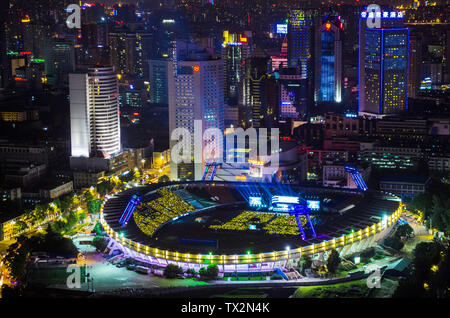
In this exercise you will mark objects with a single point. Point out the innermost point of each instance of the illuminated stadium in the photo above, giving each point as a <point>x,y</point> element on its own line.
<point>244,227</point>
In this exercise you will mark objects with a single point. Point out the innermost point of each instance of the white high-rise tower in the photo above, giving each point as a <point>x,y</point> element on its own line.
<point>94,113</point>
<point>195,89</point>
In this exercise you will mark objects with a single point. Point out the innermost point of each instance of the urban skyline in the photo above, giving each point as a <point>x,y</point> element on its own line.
<point>236,149</point>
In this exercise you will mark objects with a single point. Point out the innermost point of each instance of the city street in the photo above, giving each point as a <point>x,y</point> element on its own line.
<point>109,277</point>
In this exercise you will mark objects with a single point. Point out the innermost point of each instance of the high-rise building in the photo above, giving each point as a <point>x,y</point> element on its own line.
<point>415,60</point>
<point>59,60</point>
<point>280,61</point>
<point>328,60</point>
<point>383,64</point>
<point>257,69</point>
<point>300,41</point>
<point>158,78</point>
<point>94,40</point>
<point>130,52</point>
<point>235,50</point>
<point>293,95</point>
<point>94,113</point>
<point>195,93</point>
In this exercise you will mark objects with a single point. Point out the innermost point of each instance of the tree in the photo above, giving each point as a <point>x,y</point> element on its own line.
<point>422,202</point>
<point>100,243</point>
<point>40,212</point>
<point>209,273</point>
<point>404,230</point>
<point>408,288</point>
<point>137,174</point>
<point>98,229</point>
<point>304,264</point>
<point>333,261</point>
<point>191,272</point>
<point>163,179</point>
<point>172,271</point>
<point>394,242</point>
<point>425,256</point>
<point>441,282</point>
<point>105,187</point>
<point>11,292</point>
<point>20,226</point>
<point>16,257</point>
<point>93,206</point>
<point>431,272</point>
<point>88,195</point>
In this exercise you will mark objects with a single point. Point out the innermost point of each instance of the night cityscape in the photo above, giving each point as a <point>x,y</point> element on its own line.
<point>224,149</point>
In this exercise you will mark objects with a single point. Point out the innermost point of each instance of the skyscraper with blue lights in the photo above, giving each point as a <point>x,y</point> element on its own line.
<point>328,64</point>
<point>383,64</point>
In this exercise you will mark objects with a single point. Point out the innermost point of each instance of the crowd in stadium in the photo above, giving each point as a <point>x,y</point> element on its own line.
<point>276,224</point>
<point>284,225</point>
<point>244,220</point>
<point>151,215</point>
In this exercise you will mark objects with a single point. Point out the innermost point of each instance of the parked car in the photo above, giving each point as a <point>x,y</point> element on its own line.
<point>142,270</point>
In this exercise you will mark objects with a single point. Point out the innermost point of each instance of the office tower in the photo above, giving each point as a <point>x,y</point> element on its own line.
<point>94,113</point>
<point>293,94</point>
<point>59,61</point>
<point>281,61</point>
<point>383,64</point>
<point>415,60</point>
<point>130,53</point>
<point>158,78</point>
<point>195,93</point>
<point>235,49</point>
<point>328,60</point>
<point>300,41</point>
<point>134,94</point>
<point>33,35</point>
<point>257,68</point>
<point>94,41</point>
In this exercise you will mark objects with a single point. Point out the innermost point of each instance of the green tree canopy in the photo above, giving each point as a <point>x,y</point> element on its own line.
<point>209,273</point>
<point>163,179</point>
<point>404,230</point>
<point>172,271</point>
<point>333,261</point>
<point>394,242</point>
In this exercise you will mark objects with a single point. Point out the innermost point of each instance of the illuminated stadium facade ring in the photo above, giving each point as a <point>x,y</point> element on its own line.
<point>346,245</point>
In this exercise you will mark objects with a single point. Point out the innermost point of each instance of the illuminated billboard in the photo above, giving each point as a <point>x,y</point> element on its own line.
<point>255,201</point>
<point>379,14</point>
<point>282,28</point>
<point>313,204</point>
<point>284,199</point>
